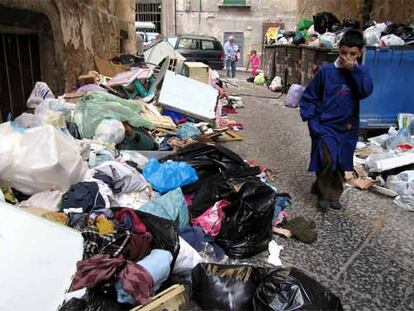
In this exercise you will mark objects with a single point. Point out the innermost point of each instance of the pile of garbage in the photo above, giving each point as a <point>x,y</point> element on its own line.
<point>130,163</point>
<point>385,163</point>
<point>325,30</point>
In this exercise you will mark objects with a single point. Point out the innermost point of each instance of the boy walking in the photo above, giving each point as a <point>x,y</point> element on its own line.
<point>330,105</point>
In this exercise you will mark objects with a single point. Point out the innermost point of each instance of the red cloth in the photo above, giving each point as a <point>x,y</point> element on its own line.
<point>137,282</point>
<point>134,278</point>
<point>90,272</point>
<point>130,220</point>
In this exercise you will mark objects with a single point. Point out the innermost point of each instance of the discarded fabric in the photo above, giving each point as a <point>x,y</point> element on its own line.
<point>170,206</point>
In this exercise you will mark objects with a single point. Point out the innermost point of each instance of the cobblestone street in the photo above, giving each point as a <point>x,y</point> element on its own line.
<point>364,252</point>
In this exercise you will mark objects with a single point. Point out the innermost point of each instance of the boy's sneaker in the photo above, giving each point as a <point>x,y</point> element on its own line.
<point>335,205</point>
<point>323,205</point>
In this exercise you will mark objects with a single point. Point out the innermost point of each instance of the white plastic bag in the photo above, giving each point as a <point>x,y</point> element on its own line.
<point>24,120</point>
<point>188,258</point>
<point>294,94</point>
<point>276,84</point>
<point>46,199</point>
<point>110,131</point>
<point>328,40</point>
<point>40,92</point>
<point>372,35</point>
<point>392,40</point>
<point>403,184</point>
<point>39,159</point>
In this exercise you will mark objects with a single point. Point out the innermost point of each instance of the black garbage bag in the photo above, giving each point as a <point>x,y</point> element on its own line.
<point>93,301</point>
<point>246,229</point>
<point>325,21</point>
<point>403,31</point>
<point>164,233</point>
<point>288,290</point>
<point>215,188</point>
<point>299,38</point>
<point>224,287</point>
<point>207,159</point>
<point>351,23</point>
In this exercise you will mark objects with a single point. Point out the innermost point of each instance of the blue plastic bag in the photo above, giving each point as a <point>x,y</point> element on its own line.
<point>188,130</point>
<point>170,206</point>
<point>167,176</point>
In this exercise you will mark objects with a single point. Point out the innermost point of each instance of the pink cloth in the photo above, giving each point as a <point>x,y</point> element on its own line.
<point>211,219</point>
<point>254,61</point>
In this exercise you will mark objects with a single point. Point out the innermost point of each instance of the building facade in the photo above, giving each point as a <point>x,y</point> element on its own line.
<point>221,18</point>
<point>55,41</point>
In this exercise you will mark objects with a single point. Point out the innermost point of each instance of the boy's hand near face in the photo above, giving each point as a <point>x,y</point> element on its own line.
<point>347,62</point>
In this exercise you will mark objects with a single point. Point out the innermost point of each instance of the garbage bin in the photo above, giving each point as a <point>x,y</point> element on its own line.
<point>293,60</point>
<point>392,70</point>
<point>269,62</point>
<point>280,62</point>
<point>312,58</point>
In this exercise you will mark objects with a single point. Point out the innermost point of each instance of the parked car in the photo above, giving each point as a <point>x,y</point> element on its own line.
<point>204,49</point>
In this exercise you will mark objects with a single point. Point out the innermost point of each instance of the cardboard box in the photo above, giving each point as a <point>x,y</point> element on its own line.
<point>197,71</point>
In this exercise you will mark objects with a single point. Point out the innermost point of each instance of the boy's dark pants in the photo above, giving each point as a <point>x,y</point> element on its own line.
<point>329,184</point>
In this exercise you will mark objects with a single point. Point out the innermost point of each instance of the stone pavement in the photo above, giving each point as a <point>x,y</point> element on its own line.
<point>365,252</point>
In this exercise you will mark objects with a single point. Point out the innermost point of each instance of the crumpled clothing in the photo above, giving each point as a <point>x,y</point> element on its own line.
<point>135,200</point>
<point>170,206</point>
<point>283,200</point>
<point>127,219</point>
<point>132,246</point>
<point>302,229</point>
<point>138,246</point>
<point>211,219</point>
<point>158,265</point>
<point>84,195</point>
<point>78,221</point>
<point>135,280</point>
<point>104,225</point>
<point>120,177</point>
<point>200,241</point>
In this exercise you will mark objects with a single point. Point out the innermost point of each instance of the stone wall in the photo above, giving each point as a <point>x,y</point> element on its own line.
<point>209,17</point>
<point>80,30</point>
<point>397,11</point>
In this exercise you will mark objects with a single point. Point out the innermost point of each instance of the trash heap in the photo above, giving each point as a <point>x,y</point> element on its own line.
<point>131,164</point>
<point>385,163</point>
<point>325,30</point>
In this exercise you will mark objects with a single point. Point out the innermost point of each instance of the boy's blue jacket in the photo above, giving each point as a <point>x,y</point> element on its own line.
<point>330,104</point>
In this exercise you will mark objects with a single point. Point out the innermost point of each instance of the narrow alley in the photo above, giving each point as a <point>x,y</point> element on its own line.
<point>364,252</point>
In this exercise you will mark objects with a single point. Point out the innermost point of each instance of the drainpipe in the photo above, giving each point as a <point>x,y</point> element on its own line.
<point>175,17</point>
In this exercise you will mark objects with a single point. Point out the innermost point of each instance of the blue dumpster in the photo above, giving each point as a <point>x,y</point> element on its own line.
<point>392,71</point>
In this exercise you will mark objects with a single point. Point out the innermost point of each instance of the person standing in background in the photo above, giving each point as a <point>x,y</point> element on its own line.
<point>230,57</point>
<point>254,61</point>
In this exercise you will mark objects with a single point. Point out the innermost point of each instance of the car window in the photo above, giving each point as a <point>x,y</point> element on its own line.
<point>172,41</point>
<point>207,45</point>
<point>186,43</point>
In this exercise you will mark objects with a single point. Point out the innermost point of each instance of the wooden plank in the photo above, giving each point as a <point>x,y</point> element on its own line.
<point>170,299</point>
<point>229,136</point>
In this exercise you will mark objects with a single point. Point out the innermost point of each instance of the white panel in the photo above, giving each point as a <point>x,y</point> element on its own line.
<point>188,96</point>
<point>37,260</point>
